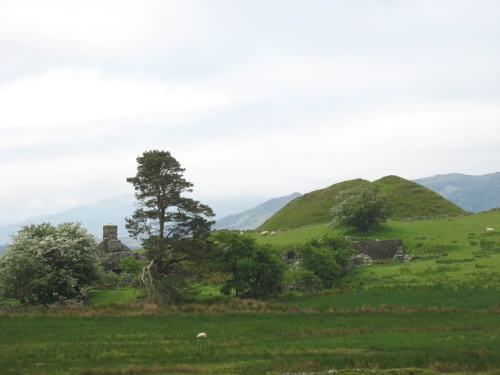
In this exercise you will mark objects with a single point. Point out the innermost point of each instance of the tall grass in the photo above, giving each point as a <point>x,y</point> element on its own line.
<point>250,343</point>
<point>121,295</point>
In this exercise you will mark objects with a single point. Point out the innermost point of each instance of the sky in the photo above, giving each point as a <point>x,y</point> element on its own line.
<point>257,98</point>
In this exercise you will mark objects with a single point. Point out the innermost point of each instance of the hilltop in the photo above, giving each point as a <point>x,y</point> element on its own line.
<point>409,199</point>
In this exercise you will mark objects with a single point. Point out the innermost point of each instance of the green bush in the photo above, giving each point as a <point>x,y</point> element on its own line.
<point>326,257</point>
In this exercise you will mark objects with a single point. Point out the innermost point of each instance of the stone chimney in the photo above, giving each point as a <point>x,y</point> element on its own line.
<point>110,231</point>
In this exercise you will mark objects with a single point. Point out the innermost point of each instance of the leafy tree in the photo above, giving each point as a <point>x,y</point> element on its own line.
<point>298,278</point>
<point>254,269</point>
<point>44,261</point>
<point>326,257</point>
<point>361,207</point>
<point>131,265</point>
<point>173,228</point>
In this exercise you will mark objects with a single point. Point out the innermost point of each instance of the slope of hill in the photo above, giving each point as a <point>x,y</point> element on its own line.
<point>472,193</point>
<point>252,218</point>
<point>310,208</point>
<point>409,200</point>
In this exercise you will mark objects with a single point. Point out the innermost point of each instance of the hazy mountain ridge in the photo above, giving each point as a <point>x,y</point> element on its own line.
<point>92,217</point>
<point>472,193</point>
<point>114,211</point>
<point>254,217</point>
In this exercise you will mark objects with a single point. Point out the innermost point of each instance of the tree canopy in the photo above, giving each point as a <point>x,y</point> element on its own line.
<point>45,262</point>
<point>173,228</point>
<point>326,257</point>
<point>254,269</point>
<point>361,207</point>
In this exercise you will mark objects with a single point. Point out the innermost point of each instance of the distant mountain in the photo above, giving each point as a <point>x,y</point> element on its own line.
<point>114,211</point>
<point>92,217</point>
<point>254,217</point>
<point>472,193</point>
<point>408,198</point>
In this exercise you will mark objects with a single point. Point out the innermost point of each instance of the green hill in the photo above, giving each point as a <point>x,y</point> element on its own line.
<point>309,208</point>
<point>408,198</point>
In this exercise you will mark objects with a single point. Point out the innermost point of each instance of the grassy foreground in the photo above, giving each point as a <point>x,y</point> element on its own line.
<point>437,314</point>
<point>442,331</point>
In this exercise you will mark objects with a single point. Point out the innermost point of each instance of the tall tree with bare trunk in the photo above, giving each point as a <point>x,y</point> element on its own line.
<point>173,228</point>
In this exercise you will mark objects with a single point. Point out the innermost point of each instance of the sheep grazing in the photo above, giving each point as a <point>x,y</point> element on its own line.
<point>273,233</point>
<point>264,233</point>
<point>202,335</point>
<point>489,229</point>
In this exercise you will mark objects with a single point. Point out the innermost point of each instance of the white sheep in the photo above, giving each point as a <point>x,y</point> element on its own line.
<point>264,233</point>
<point>273,233</point>
<point>202,335</point>
<point>489,229</point>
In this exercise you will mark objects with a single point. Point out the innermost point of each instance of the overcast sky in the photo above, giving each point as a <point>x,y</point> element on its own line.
<point>253,98</point>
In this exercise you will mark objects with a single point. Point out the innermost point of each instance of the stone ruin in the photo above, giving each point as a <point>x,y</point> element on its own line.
<point>366,252</point>
<point>378,249</point>
<point>112,251</point>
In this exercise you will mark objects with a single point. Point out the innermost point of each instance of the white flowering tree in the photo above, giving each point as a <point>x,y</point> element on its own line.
<point>362,207</point>
<point>45,262</point>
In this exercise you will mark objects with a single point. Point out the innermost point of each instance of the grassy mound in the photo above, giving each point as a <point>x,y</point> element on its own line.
<point>408,198</point>
<point>308,209</point>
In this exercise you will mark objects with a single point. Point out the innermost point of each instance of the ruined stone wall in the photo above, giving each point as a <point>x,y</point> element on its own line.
<point>378,249</point>
<point>111,249</point>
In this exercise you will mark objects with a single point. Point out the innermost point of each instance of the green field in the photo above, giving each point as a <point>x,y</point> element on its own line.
<point>357,330</point>
<point>448,252</point>
<point>439,313</point>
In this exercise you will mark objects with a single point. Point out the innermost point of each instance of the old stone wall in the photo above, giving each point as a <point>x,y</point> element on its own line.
<point>111,261</point>
<point>378,249</point>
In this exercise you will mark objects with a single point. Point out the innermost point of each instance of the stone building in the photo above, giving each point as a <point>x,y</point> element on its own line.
<point>112,251</point>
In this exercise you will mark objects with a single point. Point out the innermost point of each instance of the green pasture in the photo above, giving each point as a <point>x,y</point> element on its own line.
<point>448,252</point>
<point>452,231</point>
<point>116,296</point>
<point>442,338</point>
<point>438,313</point>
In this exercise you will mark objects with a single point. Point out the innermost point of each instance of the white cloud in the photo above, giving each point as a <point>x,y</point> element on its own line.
<point>103,27</point>
<point>253,98</point>
<point>65,97</point>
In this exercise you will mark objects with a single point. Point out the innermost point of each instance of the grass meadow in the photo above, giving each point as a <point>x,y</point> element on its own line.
<point>439,313</point>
